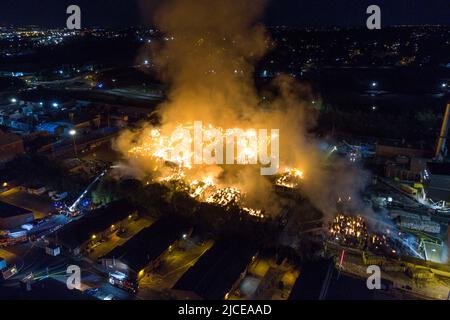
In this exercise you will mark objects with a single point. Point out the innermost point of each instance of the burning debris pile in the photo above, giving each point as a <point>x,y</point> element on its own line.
<point>352,231</point>
<point>376,242</point>
<point>191,144</point>
<point>226,197</point>
<point>349,230</point>
<point>178,166</point>
<point>290,179</point>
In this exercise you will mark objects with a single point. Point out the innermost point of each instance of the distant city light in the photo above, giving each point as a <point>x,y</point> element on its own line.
<point>444,85</point>
<point>13,100</point>
<point>146,61</point>
<point>41,103</point>
<point>72,132</point>
<point>55,104</point>
<point>374,108</point>
<point>374,84</point>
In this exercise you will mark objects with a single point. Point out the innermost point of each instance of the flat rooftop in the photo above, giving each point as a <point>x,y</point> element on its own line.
<point>80,231</point>
<point>433,251</point>
<point>8,138</point>
<point>148,244</point>
<point>218,269</point>
<point>8,210</point>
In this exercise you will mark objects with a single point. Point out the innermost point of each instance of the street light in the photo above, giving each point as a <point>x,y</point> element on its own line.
<point>374,84</point>
<point>73,133</point>
<point>13,100</point>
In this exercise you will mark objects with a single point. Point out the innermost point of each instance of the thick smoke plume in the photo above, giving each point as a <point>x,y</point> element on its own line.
<point>207,58</point>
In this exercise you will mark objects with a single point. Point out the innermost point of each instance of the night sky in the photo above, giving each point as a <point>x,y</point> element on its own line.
<point>115,13</point>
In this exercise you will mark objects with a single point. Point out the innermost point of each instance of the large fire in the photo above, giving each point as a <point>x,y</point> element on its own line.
<point>291,178</point>
<point>209,189</point>
<point>349,230</point>
<point>194,143</point>
<point>352,231</point>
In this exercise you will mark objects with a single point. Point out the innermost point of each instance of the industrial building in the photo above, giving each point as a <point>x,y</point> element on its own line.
<point>414,221</point>
<point>433,251</point>
<point>79,235</point>
<point>215,273</point>
<point>437,173</point>
<point>11,145</point>
<point>438,176</point>
<point>130,259</point>
<point>12,216</point>
<point>391,151</point>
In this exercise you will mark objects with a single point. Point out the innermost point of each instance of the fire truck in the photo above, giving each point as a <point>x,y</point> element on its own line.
<point>120,280</point>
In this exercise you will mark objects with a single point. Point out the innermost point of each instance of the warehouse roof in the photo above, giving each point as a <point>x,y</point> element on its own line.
<point>218,269</point>
<point>8,138</point>
<point>148,244</point>
<point>78,232</point>
<point>8,210</point>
